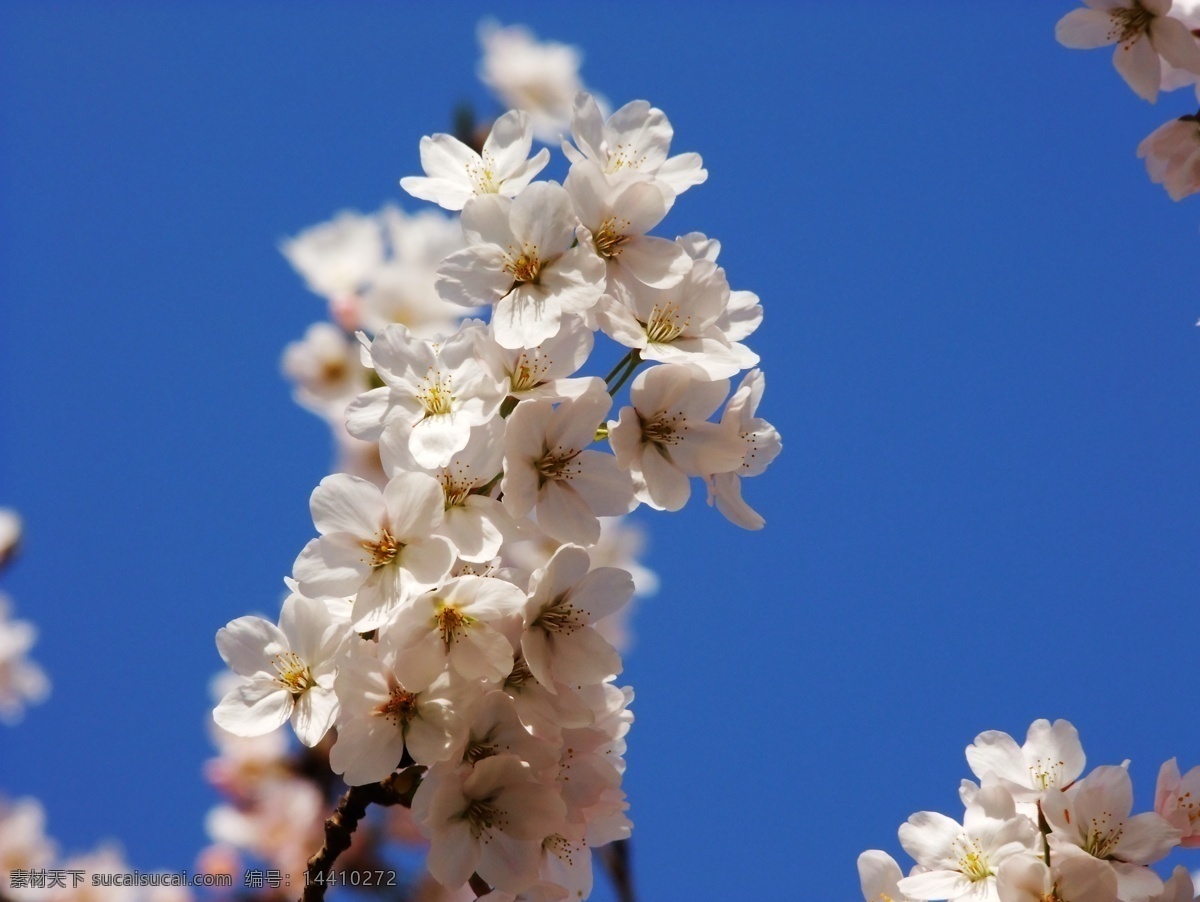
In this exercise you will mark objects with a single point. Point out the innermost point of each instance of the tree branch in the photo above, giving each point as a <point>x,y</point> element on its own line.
<point>615,858</point>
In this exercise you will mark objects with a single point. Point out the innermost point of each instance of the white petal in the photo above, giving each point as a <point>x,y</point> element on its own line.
<point>254,709</point>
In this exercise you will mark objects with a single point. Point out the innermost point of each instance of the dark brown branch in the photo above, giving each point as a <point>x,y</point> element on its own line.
<point>616,860</point>
<point>397,789</point>
<point>479,886</point>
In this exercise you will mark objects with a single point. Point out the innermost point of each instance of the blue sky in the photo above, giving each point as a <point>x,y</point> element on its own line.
<point>979,345</point>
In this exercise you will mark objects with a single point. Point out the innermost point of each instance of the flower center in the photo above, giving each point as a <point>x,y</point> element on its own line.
<point>291,673</point>
<point>436,395</point>
<point>663,325</point>
<point>527,373</point>
<point>383,551</point>
<point>1129,22</point>
<point>482,175</point>
<point>1045,773</point>
<point>660,429</point>
<point>525,267</point>
<point>559,617</point>
<point>972,862</point>
<point>450,623</point>
<point>623,156</point>
<point>556,466</point>
<point>1102,840</point>
<point>400,708</point>
<point>610,237</point>
<point>481,816</point>
<point>520,675</point>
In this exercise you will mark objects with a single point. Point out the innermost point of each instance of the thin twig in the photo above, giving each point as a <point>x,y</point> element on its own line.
<point>479,886</point>
<point>615,858</point>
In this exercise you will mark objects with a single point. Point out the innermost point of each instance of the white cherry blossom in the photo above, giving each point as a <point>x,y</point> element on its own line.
<point>635,140</point>
<point>288,671</point>
<point>1073,876</point>
<point>1172,155</point>
<point>1144,34</point>
<point>22,682</point>
<point>337,257</point>
<point>1051,759</point>
<point>544,371</point>
<point>519,258</point>
<point>454,172</point>
<point>438,389</point>
<point>760,445</point>
<point>618,216</point>
<point>880,876</point>
<point>539,77</point>
<point>559,643</point>
<point>550,468</point>
<point>326,368</point>
<point>664,437</point>
<point>378,546</point>
<point>1177,798</point>
<point>1094,814</point>
<point>488,819</point>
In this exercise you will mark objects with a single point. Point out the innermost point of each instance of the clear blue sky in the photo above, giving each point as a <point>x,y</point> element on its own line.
<point>979,345</point>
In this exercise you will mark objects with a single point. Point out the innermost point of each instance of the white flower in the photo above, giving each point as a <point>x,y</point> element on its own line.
<point>549,467</point>
<point>455,173</point>
<point>288,671</point>
<point>1051,759</point>
<point>489,819</point>
<point>1094,814</point>
<point>559,643</point>
<point>879,876</point>
<point>664,437</point>
<point>539,77</point>
<point>1072,877</point>
<point>22,682</point>
<point>388,706</point>
<point>474,521</point>
<point>376,545</point>
<point>439,389</point>
<point>961,861</point>
<point>23,841</point>
<point>336,258</point>
<point>682,324</point>
<point>1177,798</point>
<point>519,258</point>
<point>326,368</point>
<point>760,445</point>
<point>543,371</point>
<point>635,140</point>
<point>1178,888</point>
<point>1172,154</point>
<point>618,216</point>
<point>497,730</point>
<point>1142,31</point>
<point>456,626</point>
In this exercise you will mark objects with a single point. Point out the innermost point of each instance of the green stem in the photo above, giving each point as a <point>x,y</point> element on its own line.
<point>635,360</point>
<point>621,364</point>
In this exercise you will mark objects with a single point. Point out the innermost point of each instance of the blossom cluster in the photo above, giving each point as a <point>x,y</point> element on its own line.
<point>1156,50</point>
<point>454,619</point>
<point>22,682</point>
<point>1036,830</point>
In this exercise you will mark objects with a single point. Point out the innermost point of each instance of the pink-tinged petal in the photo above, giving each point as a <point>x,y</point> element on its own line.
<point>928,837</point>
<point>428,561</point>
<point>367,750</point>
<point>509,141</point>
<point>668,488</point>
<point>564,515</point>
<point>656,262</point>
<point>643,206</point>
<point>1176,44</point>
<point>248,645</point>
<point>314,714</point>
<point>682,171</point>
<point>446,193</point>
<point>345,503</point>
<point>584,657</point>
<point>1134,882</point>
<point>537,653</point>
<point>726,490</point>
<point>1147,838</point>
<point>590,193</point>
<point>453,853</point>
<point>414,505</point>
<point>607,489</point>
<point>938,885</point>
<point>525,317</point>
<point>445,157</point>
<point>483,655</point>
<point>254,708</point>
<point>587,125</point>
<point>997,753</point>
<point>1139,65</point>
<point>1085,29</point>
<point>1080,876</point>
<point>474,275</point>
<point>602,592</point>
<point>878,874</point>
<point>371,411</point>
<point>542,217</point>
<point>332,566</point>
<point>507,863</point>
<point>430,737</point>
<point>644,130</point>
<point>576,280</point>
<point>485,221</point>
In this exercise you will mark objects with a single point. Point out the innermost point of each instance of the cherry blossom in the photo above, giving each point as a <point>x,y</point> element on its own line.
<point>1172,155</point>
